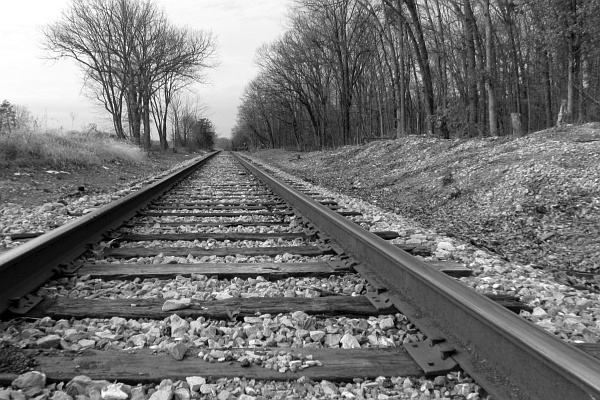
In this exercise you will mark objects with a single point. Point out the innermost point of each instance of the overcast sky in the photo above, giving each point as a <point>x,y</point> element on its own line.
<point>52,90</point>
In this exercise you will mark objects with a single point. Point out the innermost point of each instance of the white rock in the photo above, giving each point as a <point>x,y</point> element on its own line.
<point>385,342</point>
<point>135,325</point>
<point>302,333</point>
<point>223,395</point>
<point>442,254</point>
<point>329,388</point>
<point>117,322</point>
<point>30,379</point>
<point>165,384</point>
<point>182,394</point>
<point>162,395</point>
<point>207,389</point>
<point>178,323</point>
<point>195,327</point>
<point>300,315</point>
<point>349,342</point>
<point>372,340</point>
<point>113,392</point>
<point>386,323</point>
<point>582,304</point>
<point>138,340</point>
<point>86,343</point>
<point>170,294</point>
<point>445,246</point>
<point>137,393</point>
<point>195,382</point>
<point>48,342</point>
<point>59,395</point>
<point>106,335</point>
<point>223,296</point>
<point>317,336</point>
<point>463,389</point>
<point>539,312</point>
<point>172,305</point>
<point>333,339</point>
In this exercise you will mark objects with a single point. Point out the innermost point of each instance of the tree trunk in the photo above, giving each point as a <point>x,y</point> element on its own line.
<point>418,40</point>
<point>471,65</point>
<point>547,84</point>
<point>134,116</point>
<point>562,113</point>
<point>118,125</point>
<point>581,88</point>
<point>489,69</point>
<point>164,143</point>
<point>146,142</point>
<point>517,128</point>
<point>574,55</point>
<point>401,86</point>
<point>442,60</point>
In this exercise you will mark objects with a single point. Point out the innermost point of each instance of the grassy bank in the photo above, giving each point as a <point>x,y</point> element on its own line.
<point>56,150</point>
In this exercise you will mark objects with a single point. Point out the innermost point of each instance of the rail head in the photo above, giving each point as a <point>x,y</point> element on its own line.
<point>539,364</point>
<point>27,267</point>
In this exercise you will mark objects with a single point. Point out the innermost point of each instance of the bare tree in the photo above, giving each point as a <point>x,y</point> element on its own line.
<point>97,34</point>
<point>129,51</point>
<point>184,111</point>
<point>186,54</point>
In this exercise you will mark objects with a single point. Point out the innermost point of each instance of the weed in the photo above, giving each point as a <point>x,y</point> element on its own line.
<point>455,193</point>
<point>447,179</point>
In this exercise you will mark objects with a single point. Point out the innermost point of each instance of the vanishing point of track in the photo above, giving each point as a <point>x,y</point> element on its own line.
<point>507,355</point>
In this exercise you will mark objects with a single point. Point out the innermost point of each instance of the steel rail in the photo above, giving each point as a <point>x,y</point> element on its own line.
<point>509,356</point>
<point>25,268</point>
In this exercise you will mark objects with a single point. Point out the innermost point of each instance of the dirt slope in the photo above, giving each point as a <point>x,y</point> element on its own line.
<point>535,200</point>
<point>35,185</point>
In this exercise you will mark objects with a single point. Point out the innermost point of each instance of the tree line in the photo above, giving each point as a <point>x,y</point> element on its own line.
<point>14,117</point>
<point>136,63</point>
<point>349,70</point>
<point>8,117</point>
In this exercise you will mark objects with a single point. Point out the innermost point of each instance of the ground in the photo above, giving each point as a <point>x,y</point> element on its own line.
<point>35,186</point>
<point>533,200</point>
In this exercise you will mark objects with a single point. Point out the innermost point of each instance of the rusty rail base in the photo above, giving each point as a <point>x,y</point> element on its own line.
<point>509,356</point>
<point>28,266</point>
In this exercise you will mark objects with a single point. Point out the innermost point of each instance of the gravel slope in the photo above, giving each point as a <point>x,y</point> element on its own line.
<point>534,200</point>
<point>570,313</point>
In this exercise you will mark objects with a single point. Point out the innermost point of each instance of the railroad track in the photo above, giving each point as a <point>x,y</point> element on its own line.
<point>179,281</point>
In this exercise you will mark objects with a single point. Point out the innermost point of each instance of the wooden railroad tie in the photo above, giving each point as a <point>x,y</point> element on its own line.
<point>140,366</point>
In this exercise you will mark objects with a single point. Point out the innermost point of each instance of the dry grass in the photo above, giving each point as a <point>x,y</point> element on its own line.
<point>56,150</point>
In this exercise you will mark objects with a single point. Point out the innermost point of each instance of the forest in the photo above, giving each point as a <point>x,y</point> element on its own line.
<point>347,71</point>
